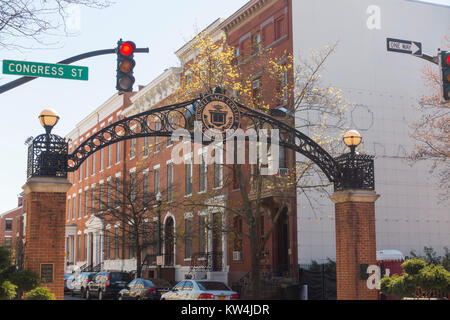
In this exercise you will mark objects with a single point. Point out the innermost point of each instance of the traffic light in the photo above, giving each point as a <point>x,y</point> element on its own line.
<point>125,65</point>
<point>444,63</point>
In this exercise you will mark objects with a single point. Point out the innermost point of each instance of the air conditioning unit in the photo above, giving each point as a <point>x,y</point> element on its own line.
<point>237,255</point>
<point>283,172</point>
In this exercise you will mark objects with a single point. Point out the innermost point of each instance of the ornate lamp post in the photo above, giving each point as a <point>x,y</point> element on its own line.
<point>45,191</point>
<point>48,153</point>
<point>354,199</point>
<point>158,203</point>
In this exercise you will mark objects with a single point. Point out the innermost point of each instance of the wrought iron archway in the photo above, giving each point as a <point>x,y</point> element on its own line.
<point>346,171</point>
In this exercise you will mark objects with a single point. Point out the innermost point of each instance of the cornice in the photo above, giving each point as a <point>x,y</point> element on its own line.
<point>243,14</point>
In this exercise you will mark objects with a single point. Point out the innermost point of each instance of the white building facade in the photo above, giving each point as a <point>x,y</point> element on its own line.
<point>384,88</point>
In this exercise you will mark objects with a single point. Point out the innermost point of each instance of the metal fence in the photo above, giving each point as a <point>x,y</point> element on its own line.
<point>319,282</point>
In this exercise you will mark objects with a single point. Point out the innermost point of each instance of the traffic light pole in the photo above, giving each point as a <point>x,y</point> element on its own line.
<point>431,59</point>
<point>23,80</point>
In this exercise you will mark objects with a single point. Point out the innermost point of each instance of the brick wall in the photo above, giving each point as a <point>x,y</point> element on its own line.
<point>355,245</point>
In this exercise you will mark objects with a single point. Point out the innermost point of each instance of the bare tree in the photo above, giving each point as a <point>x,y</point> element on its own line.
<point>126,202</point>
<point>22,20</point>
<point>432,130</point>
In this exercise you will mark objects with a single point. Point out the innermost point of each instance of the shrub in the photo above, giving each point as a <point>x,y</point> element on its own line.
<point>40,293</point>
<point>7,291</point>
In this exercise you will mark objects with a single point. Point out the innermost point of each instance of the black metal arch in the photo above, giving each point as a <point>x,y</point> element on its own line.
<point>346,171</point>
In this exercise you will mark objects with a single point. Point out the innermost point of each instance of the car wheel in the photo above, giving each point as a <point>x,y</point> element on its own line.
<point>72,293</point>
<point>82,293</point>
<point>120,297</point>
<point>100,295</point>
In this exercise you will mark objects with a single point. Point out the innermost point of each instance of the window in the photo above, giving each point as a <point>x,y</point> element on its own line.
<point>257,93</point>
<point>237,241</point>
<point>87,168</point>
<point>80,205</point>
<point>169,182</point>
<point>73,208</point>
<point>256,43</point>
<point>102,159</point>
<point>133,148</point>
<point>108,195</point>
<point>74,177</point>
<point>107,245</point>
<point>131,241</point>
<point>118,194</point>
<point>94,156</point>
<point>93,201</point>
<point>279,28</point>
<point>109,156</point>
<point>157,139</point>
<point>118,150</point>
<point>145,189</point>
<point>188,174</point>
<point>132,186</point>
<point>203,234</point>
<point>69,209</point>
<point>8,225</point>
<point>8,242</point>
<point>284,88</point>
<point>171,127</point>
<point>156,181</point>
<point>86,202</point>
<point>218,168</point>
<point>81,172</point>
<point>85,246</point>
<point>202,174</point>
<point>79,247</point>
<point>146,146</point>
<point>100,197</point>
<point>116,243</point>
<point>188,238</point>
<point>282,154</point>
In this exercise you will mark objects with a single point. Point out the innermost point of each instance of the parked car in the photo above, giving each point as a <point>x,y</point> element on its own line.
<point>68,277</point>
<point>200,290</point>
<point>107,284</point>
<point>80,283</point>
<point>144,289</point>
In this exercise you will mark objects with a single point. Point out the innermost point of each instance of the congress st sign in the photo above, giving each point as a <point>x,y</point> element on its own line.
<point>47,70</point>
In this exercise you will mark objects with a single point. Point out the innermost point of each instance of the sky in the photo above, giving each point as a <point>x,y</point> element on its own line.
<point>162,26</point>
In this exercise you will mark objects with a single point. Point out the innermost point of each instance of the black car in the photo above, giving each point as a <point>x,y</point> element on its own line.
<point>81,282</point>
<point>144,289</point>
<point>107,284</point>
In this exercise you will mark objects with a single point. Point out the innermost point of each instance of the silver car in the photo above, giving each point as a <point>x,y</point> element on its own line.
<point>200,290</point>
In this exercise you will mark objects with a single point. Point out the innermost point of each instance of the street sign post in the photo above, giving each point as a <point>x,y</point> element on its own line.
<point>47,70</point>
<point>404,46</point>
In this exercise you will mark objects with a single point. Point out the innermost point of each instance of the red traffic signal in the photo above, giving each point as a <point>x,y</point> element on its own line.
<point>127,48</point>
<point>125,65</point>
<point>445,74</point>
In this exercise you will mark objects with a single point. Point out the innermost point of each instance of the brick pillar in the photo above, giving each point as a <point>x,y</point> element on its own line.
<point>355,242</point>
<point>45,230</point>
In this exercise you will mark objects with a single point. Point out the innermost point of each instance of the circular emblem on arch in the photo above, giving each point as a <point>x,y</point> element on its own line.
<point>218,112</point>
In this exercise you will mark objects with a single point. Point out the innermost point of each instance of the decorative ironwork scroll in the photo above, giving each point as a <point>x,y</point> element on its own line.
<point>345,171</point>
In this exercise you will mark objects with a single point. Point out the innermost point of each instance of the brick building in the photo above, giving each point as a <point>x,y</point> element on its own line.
<point>12,230</point>
<point>187,242</point>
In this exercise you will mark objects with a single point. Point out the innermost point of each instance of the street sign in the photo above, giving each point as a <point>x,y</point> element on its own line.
<point>404,46</point>
<point>47,70</point>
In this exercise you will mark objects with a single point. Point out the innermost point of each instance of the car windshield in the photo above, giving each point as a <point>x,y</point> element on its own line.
<point>115,277</point>
<point>211,285</point>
